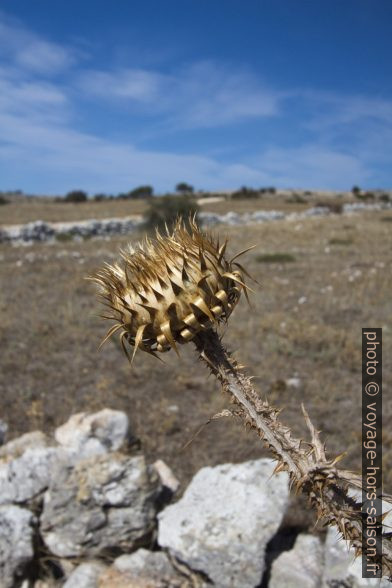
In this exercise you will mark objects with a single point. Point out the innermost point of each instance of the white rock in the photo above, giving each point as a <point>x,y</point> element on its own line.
<point>94,434</point>
<point>301,566</point>
<point>166,476</point>
<point>222,524</point>
<point>16,543</point>
<point>104,502</point>
<point>293,382</point>
<point>342,566</point>
<point>143,568</point>
<point>25,477</point>
<point>18,446</point>
<point>3,431</point>
<point>85,575</point>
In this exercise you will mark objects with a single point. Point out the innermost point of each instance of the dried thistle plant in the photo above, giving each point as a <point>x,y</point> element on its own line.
<point>176,289</point>
<point>165,292</point>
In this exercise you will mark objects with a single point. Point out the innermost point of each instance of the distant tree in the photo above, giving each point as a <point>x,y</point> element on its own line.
<point>165,209</point>
<point>184,188</point>
<point>141,192</point>
<point>100,197</point>
<point>245,192</point>
<point>356,190</point>
<point>76,196</point>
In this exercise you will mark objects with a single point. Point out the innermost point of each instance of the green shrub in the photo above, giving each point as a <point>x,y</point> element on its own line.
<point>335,207</point>
<point>275,258</point>
<point>3,200</point>
<point>340,241</point>
<point>76,196</point>
<point>365,196</point>
<point>165,209</point>
<point>296,199</point>
<point>63,237</point>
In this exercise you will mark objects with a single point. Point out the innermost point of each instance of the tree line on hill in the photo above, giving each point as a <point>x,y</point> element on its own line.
<point>146,192</point>
<point>139,193</point>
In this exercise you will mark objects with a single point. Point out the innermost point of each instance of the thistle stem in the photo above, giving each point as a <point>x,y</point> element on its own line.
<point>306,463</point>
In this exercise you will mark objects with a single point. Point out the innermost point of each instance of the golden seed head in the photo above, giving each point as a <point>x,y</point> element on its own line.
<point>167,290</point>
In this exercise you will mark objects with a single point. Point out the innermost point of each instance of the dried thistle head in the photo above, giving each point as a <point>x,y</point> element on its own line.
<point>168,289</point>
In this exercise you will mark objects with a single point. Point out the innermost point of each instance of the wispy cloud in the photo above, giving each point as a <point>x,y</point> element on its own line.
<point>125,84</point>
<point>30,52</point>
<point>312,166</point>
<point>201,95</point>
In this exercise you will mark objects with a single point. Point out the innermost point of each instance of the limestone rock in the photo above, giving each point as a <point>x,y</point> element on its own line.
<point>16,543</point>
<point>341,566</point>
<point>222,524</point>
<point>3,431</point>
<point>85,575</point>
<point>25,477</point>
<point>166,476</point>
<point>301,566</point>
<point>92,434</point>
<point>142,569</point>
<point>18,446</point>
<point>104,502</point>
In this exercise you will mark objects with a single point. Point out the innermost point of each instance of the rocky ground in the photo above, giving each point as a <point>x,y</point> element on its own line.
<point>84,509</point>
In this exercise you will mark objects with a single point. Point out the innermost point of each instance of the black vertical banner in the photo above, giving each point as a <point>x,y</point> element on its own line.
<point>371,452</point>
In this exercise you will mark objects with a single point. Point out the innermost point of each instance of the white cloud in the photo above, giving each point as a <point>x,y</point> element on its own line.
<point>202,95</point>
<point>130,84</point>
<point>313,166</point>
<point>31,100</point>
<point>29,52</point>
<point>43,57</point>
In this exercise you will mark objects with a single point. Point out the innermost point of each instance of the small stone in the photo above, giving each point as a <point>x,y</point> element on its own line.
<point>92,434</point>
<point>293,382</point>
<point>85,575</point>
<point>18,446</point>
<point>25,477</point>
<point>3,431</point>
<point>168,479</point>
<point>342,567</point>
<point>144,569</point>
<point>16,543</point>
<point>301,566</point>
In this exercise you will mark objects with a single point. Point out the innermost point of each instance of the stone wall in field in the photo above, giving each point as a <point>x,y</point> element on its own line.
<point>84,509</point>
<point>40,231</point>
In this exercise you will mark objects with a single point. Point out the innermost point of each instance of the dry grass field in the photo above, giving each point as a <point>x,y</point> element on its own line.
<point>29,209</point>
<point>301,339</point>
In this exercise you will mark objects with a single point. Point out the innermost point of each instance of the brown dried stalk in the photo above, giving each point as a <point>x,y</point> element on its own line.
<point>309,469</point>
<point>177,289</point>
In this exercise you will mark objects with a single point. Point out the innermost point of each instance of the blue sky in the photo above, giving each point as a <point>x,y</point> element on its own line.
<point>107,96</point>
